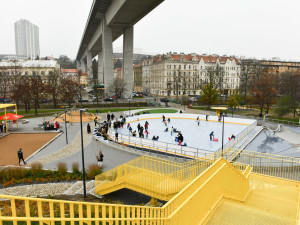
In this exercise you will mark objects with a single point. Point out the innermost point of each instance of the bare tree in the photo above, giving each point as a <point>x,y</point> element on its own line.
<point>215,75</point>
<point>117,86</point>
<point>264,91</point>
<point>37,88</point>
<point>53,85</point>
<point>69,89</point>
<point>290,86</point>
<point>249,69</point>
<point>21,91</point>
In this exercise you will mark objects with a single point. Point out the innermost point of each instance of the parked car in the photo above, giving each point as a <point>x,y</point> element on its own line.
<point>164,100</point>
<point>83,100</point>
<point>108,99</point>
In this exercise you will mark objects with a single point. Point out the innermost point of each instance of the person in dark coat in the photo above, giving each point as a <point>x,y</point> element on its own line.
<point>108,117</point>
<point>88,128</point>
<point>20,156</point>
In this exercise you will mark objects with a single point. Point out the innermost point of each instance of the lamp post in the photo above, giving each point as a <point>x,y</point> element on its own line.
<point>82,153</point>
<point>64,107</point>
<point>222,134</point>
<point>129,99</point>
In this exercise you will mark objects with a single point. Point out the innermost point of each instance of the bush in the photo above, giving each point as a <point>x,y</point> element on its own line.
<point>93,171</point>
<point>62,169</point>
<point>37,169</point>
<point>75,168</point>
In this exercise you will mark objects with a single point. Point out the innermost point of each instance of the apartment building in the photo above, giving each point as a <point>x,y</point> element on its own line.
<point>146,75</point>
<point>230,68</point>
<point>277,67</point>
<point>175,75</point>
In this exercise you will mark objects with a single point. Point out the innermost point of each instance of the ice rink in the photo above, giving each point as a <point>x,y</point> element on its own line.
<point>194,136</point>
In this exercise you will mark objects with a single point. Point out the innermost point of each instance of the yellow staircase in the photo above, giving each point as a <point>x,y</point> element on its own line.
<point>198,192</point>
<point>154,177</point>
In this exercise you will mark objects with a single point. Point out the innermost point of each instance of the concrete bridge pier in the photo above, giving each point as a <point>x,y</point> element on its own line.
<point>89,68</point>
<point>128,61</point>
<point>82,66</point>
<point>100,68</point>
<point>107,51</point>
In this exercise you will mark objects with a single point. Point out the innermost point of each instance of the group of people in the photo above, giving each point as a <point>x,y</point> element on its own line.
<point>50,126</point>
<point>110,117</point>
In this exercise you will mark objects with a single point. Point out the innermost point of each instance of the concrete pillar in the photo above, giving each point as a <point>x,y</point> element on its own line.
<point>107,53</point>
<point>100,68</point>
<point>128,61</point>
<point>89,66</point>
<point>82,66</point>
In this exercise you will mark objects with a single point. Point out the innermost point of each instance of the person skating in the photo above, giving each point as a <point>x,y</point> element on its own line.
<point>169,120</point>
<point>211,135</point>
<point>166,130</point>
<point>116,136</point>
<point>171,131</point>
<point>198,120</point>
<point>112,116</point>
<point>147,133</point>
<point>20,156</point>
<point>108,117</point>
<point>164,118</point>
<point>88,128</point>
<point>206,117</point>
<point>100,159</point>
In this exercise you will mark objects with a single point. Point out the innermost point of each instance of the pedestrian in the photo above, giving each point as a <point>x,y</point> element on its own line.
<point>206,117</point>
<point>56,126</point>
<point>100,157</point>
<point>198,120</point>
<point>171,131</point>
<point>147,133</point>
<point>88,128</point>
<point>96,120</point>
<point>20,156</point>
<point>211,135</point>
<point>116,136</point>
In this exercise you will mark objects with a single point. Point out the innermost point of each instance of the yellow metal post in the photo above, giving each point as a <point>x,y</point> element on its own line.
<point>5,120</point>
<point>17,114</point>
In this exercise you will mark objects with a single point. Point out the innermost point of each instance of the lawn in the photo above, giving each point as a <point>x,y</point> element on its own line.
<point>160,111</point>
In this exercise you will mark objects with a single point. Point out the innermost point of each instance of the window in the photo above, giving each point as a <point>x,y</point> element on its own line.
<point>174,66</point>
<point>179,67</point>
<point>184,67</point>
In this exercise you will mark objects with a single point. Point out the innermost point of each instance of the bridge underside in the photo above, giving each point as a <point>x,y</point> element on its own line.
<point>108,20</point>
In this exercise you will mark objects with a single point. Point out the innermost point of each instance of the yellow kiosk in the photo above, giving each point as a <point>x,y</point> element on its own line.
<point>4,106</point>
<point>219,110</point>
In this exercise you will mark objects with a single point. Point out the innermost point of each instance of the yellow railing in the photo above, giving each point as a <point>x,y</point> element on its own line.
<point>264,163</point>
<point>193,203</point>
<point>157,178</point>
<point>24,209</point>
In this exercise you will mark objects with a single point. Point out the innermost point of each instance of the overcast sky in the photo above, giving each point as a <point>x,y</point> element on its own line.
<point>251,28</point>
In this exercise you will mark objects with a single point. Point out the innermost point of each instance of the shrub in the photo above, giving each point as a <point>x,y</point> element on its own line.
<point>62,169</point>
<point>75,168</point>
<point>93,171</point>
<point>37,169</point>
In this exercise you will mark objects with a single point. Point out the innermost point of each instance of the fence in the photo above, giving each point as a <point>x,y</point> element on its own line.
<point>159,147</point>
<point>287,122</point>
<point>265,163</point>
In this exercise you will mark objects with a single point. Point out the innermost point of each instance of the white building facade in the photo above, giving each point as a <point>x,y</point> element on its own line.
<point>27,39</point>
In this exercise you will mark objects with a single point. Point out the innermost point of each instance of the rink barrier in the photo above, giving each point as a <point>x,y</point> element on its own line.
<point>160,147</point>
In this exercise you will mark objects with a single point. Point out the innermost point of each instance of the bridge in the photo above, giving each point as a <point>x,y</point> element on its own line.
<point>107,21</point>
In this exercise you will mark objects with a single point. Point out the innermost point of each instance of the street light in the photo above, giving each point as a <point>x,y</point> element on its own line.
<point>82,152</point>
<point>222,134</point>
<point>129,99</point>
<point>64,107</point>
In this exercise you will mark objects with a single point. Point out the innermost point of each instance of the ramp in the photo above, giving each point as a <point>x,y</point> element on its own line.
<point>270,201</point>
